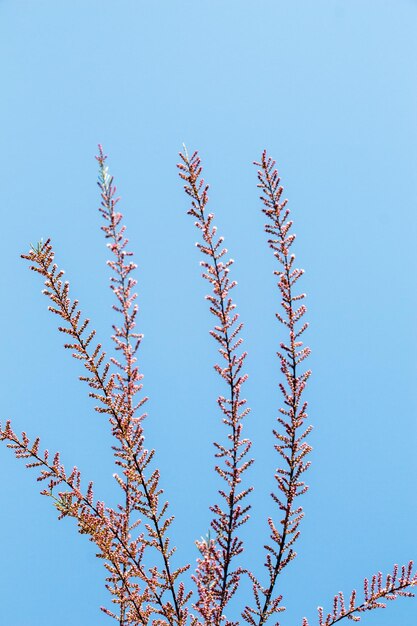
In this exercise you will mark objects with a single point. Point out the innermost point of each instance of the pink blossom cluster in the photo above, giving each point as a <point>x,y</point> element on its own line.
<point>136,533</point>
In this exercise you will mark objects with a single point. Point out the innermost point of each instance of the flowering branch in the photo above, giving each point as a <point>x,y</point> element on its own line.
<point>102,524</point>
<point>375,595</point>
<point>290,439</point>
<point>216,562</point>
<point>126,340</point>
<point>128,384</point>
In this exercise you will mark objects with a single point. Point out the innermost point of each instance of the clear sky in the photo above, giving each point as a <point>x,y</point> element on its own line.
<point>329,87</point>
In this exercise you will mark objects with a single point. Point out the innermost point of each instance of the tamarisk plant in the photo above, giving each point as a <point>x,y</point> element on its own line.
<point>135,534</point>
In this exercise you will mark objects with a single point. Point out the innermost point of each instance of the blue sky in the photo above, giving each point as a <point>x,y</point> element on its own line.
<point>329,87</point>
